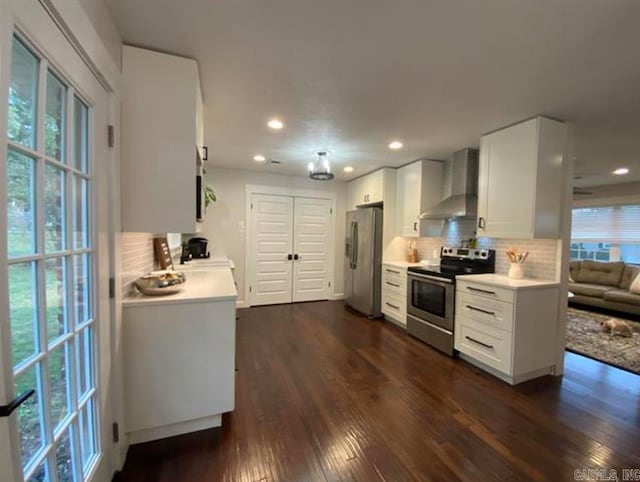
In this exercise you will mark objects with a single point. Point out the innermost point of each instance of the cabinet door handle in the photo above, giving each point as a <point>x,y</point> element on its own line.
<point>415,227</point>
<point>393,284</point>
<point>486,292</point>
<point>296,257</point>
<point>479,342</point>
<point>205,153</point>
<point>492,313</point>
<point>392,306</point>
<point>391,271</point>
<point>289,257</point>
<point>481,223</point>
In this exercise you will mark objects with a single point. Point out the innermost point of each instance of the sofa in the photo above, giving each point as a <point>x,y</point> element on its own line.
<point>604,285</point>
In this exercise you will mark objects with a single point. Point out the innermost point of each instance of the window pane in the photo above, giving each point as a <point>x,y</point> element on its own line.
<point>80,135</point>
<point>54,122</point>
<point>80,213</point>
<point>81,288</point>
<point>84,354</point>
<point>23,313</point>
<point>56,307</point>
<point>29,414</point>
<point>21,204</point>
<point>87,439</point>
<point>63,458</point>
<point>41,474</point>
<point>54,222</point>
<point>59,372</point>
<point>23,95</point>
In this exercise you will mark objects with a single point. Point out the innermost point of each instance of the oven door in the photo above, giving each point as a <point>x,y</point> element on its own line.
<point>431,299</point>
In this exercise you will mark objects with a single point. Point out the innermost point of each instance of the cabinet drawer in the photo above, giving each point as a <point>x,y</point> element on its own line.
<point>484,343</point>
<point>397,287</point>
<point>486,291</point>
<point>393,274</point>
<point>394,307</point>
<point>492,312</point>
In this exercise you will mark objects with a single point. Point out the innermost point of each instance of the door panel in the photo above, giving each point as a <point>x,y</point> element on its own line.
<point>312,228</point>
<point>272,228</point>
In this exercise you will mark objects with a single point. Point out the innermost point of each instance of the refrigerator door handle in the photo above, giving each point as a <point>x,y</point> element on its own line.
<point>354,247</point>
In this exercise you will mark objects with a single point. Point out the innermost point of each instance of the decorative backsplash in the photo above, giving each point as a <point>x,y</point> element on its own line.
<point>542,252</point>
<point>137,258</point>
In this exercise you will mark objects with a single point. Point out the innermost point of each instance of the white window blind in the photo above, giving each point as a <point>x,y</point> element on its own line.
<point>610,224</point>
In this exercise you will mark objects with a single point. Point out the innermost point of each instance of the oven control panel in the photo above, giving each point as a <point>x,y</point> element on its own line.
<point>465,253</point>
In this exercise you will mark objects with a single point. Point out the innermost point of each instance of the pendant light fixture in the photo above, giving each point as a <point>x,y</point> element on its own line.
<point>320,170</point>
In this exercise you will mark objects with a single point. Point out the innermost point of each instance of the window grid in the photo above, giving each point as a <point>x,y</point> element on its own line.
<point>75,328</point>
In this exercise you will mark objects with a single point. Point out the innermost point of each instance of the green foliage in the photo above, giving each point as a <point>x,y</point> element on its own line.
<point>209,196</point>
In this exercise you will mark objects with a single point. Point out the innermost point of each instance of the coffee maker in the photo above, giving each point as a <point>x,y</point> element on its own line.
<point>198,248</point>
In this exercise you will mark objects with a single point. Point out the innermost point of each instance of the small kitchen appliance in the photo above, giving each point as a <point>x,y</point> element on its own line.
<point>431,293</point>
<point>198,248</point>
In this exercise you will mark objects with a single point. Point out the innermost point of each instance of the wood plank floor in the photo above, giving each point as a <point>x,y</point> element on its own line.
<point>325,394</point>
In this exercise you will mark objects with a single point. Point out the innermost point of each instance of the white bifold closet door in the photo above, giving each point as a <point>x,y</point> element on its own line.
<point>290,249</point>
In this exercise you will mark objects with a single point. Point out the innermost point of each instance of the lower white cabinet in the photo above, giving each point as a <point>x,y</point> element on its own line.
<point>394,293</point>
<point>507,327</point>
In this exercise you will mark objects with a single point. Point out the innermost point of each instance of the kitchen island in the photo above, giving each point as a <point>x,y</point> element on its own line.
<point>179,357</point>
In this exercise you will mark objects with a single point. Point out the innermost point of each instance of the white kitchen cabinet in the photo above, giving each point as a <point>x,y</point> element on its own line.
<point>367,189</point>
<point>419,187</point>
<point>179,357</point>
<point>394,292</point>
<point>507,327</point>
<point>162,133</point>
<point>520,190</point>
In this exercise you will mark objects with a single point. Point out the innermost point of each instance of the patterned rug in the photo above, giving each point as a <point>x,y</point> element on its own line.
<point>585,336</point>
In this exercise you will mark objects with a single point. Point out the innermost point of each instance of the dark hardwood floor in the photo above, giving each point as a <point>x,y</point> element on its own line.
<point>325,394</point>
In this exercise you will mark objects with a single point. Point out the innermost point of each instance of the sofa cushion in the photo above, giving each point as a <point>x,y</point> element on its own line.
<point>574,267</point>
<point>628,275</point>
<point>593,272</point>
<point>634,289</point>
<point>622,296</point>
<point>587,289</point>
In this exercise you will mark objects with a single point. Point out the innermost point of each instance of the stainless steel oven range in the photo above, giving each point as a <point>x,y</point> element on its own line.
<point>431,293</point>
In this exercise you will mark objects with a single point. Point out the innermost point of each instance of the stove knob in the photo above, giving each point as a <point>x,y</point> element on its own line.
<point>477,253</point>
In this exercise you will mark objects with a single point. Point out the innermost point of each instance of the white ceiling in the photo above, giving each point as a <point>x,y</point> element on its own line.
<point>351,75</point>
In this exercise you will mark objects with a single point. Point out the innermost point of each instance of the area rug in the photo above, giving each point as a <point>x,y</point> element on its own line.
<point>585,336</point>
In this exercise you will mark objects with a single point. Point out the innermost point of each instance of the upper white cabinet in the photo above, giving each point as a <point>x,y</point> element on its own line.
<point>419,187</point>
<point>161,136</point>
<point>520,191</point>
<point>366,190</point>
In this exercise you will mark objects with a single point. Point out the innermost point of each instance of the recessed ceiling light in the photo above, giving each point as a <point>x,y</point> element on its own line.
<point>259,158</point>
<point>275,124</point>
<point>348,169</point>
<point>395,145</point>
<point>621,171</point>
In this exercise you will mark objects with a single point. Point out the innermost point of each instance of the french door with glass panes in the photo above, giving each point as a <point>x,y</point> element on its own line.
<point>49,321</point>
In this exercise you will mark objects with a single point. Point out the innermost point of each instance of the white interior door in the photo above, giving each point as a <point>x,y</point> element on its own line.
<point>312,229</point>
<point>272,233</point>
<point>54,335</point>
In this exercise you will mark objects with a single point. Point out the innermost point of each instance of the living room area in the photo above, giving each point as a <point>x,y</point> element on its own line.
<point>604,281</point>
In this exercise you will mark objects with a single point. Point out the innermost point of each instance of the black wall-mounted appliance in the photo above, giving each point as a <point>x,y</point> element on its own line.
<point>198,248</point>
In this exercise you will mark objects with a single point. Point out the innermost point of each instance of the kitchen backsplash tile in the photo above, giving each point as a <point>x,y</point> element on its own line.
<point>542,252</point>
<point>137,258</point>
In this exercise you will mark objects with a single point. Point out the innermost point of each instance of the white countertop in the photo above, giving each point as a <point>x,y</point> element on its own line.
<point>201,285</point>
<point>502,281</point>
<point>204,264</point>
<point>402,264</point>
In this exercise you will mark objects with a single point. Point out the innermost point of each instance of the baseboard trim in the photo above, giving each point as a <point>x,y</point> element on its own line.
<point>337,296</point>
<point>172,430</point>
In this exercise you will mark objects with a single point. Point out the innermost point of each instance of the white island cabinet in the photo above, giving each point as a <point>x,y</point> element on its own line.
<point>179,357</point>
<point>507,327</point>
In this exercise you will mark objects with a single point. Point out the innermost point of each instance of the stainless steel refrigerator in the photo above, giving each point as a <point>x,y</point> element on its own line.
<point>363,261</point>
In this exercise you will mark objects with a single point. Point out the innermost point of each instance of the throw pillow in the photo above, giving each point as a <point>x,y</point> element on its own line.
<point>635,286</point>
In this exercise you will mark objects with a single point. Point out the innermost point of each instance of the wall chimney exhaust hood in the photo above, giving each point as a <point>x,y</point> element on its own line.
<point>460,188</point>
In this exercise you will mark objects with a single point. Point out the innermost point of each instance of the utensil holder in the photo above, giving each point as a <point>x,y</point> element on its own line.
<point>516,271</point>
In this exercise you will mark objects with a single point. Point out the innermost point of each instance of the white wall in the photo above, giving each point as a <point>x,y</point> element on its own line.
<point>105,27</point>
<point>225,219</point>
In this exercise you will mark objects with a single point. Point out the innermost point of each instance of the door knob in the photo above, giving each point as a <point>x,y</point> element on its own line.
<point>289,257</point>
<point>296,257</point>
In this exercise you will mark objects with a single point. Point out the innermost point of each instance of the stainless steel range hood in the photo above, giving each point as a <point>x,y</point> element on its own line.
<point>460,188</point>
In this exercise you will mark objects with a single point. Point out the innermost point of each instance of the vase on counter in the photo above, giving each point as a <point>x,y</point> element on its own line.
<point>516,271</point>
